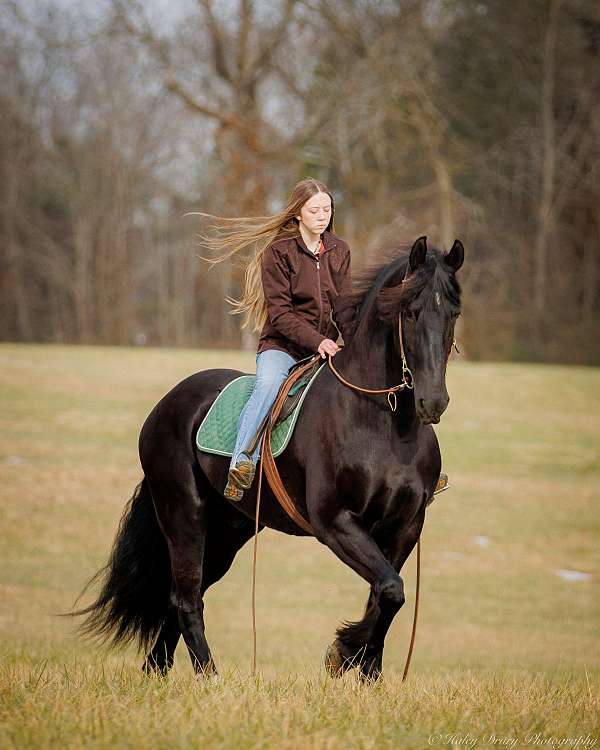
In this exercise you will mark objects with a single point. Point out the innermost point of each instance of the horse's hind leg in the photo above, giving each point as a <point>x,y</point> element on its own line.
<point>224,537</point>
<point>160,659</point>
<point>182,515</point>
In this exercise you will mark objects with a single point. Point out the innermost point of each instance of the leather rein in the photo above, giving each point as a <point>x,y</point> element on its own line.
<point>407,376</point>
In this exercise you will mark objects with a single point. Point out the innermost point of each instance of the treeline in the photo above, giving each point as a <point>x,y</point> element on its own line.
<point>448,118</point>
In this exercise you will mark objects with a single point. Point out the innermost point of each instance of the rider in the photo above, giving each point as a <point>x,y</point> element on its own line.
<point>297,294</point>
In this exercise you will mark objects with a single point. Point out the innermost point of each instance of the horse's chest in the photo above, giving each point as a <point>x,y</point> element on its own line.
<point>389,496</point>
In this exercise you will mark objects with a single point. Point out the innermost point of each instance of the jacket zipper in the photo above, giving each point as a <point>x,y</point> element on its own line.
<point>320,300</point>
<point>316,257</point>
<point>319,285</point>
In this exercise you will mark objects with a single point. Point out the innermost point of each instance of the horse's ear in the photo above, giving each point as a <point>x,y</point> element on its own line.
<point>455,256</point>
<point>418,253</point>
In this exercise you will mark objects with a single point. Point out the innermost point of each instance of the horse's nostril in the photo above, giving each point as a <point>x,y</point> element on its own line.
<point>422,403</point>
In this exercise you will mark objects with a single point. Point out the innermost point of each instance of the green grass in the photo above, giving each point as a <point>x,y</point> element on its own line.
<point>505,647</point>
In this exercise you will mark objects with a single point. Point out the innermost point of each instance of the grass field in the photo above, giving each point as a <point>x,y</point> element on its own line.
<point>507,651</point>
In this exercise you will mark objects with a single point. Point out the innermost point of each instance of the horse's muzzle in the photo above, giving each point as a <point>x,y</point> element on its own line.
<point>430,410</point>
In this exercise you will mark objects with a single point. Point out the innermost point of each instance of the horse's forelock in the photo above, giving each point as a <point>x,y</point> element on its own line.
<point>371,280</point>
<point>391,299</point>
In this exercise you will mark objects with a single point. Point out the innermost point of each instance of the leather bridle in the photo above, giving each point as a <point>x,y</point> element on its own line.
<point>407,376</point>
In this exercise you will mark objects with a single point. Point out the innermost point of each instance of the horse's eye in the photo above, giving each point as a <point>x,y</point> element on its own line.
<point>411,314</point>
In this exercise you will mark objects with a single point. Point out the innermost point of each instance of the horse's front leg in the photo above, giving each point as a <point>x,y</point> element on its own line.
<point>345,536</point>
<point>397,549</point>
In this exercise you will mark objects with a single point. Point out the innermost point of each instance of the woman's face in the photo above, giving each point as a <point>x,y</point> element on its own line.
<point>316,213</point>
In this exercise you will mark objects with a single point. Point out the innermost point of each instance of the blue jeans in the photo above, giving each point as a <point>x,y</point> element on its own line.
<point>271,370</point>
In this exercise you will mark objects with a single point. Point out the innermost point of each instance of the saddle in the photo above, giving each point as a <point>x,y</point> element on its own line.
<point>217,432</point>
<point>290,393</point>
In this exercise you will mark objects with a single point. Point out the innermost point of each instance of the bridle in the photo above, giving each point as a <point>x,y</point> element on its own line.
<point>407,376</point>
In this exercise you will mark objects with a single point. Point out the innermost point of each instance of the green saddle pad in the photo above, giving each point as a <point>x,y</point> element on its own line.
<point>218,431</point>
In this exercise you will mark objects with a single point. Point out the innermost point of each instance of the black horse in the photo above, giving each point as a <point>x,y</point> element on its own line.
<point>361,474</point>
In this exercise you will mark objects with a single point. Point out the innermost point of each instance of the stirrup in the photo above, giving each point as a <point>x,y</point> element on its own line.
<point>442,484</point>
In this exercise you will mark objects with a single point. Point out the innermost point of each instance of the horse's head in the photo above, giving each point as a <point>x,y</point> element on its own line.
<point>425,304</point>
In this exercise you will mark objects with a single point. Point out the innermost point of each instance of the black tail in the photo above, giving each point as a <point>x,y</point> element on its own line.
<point>136,581</point>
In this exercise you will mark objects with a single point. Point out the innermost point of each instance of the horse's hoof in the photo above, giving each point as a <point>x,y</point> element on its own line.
<point>156,667</point>
<point>334,661</point>
<point>209,669</point>
<point>370,668</point>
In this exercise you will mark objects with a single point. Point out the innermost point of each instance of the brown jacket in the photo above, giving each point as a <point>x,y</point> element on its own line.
<point>308,296</point>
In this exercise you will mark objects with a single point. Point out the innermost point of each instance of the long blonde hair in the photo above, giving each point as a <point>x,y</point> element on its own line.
<point>255,233</point>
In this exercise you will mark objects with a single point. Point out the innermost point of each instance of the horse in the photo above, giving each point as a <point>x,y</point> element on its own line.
<point>360,473</point>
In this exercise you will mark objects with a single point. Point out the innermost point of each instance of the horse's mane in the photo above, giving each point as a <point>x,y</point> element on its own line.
<point>379,288</point>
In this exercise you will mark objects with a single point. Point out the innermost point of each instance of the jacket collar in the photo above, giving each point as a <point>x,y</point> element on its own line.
<point>328,242</point>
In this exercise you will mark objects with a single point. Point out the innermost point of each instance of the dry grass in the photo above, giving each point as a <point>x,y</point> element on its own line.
<point>505,646</point>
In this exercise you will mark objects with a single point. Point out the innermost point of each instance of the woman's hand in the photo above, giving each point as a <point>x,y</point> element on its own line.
<point>327,346</point>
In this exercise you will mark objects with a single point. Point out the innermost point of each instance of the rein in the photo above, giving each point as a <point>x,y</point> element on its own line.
<point>407,376</point>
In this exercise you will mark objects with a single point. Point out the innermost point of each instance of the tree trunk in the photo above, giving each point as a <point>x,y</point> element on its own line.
<point>545,213</point>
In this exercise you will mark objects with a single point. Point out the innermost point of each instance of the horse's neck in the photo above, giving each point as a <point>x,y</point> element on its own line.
<point>371,361</point>
<point>370,355</point>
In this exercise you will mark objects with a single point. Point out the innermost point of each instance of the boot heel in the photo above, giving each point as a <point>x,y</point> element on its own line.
<point>232,492</point>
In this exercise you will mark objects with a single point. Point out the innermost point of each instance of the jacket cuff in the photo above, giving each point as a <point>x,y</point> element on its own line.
<point>315,340</point>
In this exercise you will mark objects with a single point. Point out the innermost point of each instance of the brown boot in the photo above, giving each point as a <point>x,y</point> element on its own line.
<point>242,474</point>
<point>233,492</point>
<point>239,479</point>
<point>442,484</point>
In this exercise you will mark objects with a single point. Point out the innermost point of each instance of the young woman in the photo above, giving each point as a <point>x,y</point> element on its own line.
<point>297,294</point>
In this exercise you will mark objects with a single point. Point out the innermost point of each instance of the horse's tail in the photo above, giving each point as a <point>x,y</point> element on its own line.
<point>136,581</point>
